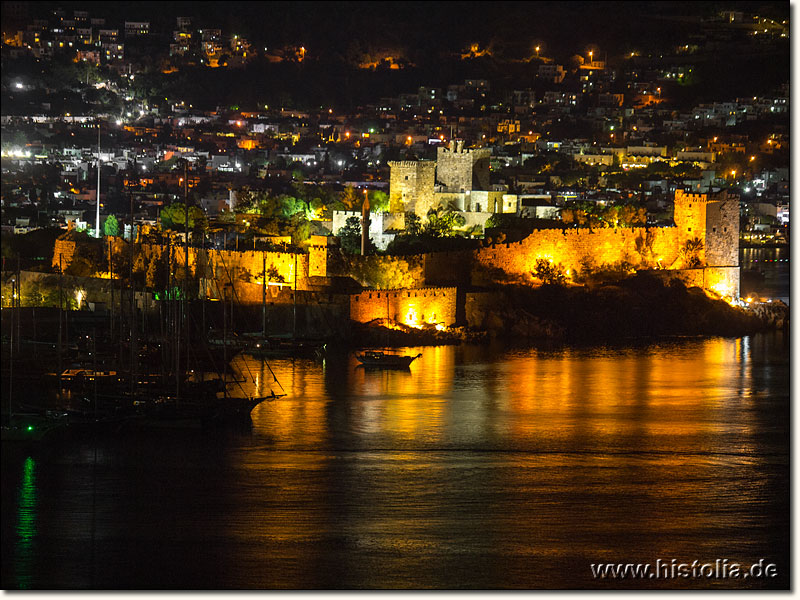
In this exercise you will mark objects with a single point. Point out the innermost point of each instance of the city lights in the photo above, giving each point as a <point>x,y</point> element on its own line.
<point>502,314</point>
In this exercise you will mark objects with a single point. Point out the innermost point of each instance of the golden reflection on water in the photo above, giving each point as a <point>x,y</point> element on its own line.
<point>573,396</point>
<point>655,436</point>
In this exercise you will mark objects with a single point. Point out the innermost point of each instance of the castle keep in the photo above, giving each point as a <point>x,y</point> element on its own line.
<point>452,178</point>
<point>459,170</point>
<point>411,186</point>
<point>713,219</point>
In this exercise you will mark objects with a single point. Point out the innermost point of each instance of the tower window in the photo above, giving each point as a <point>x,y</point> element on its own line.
<point>725,229</point>
<point>689,229</point>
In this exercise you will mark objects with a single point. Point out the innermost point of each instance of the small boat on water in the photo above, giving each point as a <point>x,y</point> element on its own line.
<point>374,358</point>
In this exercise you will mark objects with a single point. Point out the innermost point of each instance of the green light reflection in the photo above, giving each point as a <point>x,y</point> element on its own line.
<point>26,525</point>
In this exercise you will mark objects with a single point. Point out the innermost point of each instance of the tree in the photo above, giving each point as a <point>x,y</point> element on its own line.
<point>111,226</point>
<point>350,236</point>
<point>502,221</point>
<point>690,253</point>
<point>290,206</point>
<point>378,201</point>
<point>413,226</point>
<point>174,217</point>
<point>157,276</point>
<point>301,228</point>
<point>443,222</point>
<point>273,274</point>
<point>548,272</point>
<point>644,246</point>
<point>351,199</point>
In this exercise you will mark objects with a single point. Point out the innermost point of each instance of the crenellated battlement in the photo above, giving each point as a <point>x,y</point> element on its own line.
<point>422,292</point>
<point>412,164</point>
<point>411,306</point>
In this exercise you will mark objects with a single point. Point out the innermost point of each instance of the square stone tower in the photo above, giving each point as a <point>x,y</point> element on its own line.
<point>460,170</point>
<point>713,219</point>
<point>411,186</point>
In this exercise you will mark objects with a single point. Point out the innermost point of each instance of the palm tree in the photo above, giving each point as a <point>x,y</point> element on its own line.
<point>690,253</point>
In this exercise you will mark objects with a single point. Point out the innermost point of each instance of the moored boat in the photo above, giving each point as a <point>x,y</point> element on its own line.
<point>374,358</point>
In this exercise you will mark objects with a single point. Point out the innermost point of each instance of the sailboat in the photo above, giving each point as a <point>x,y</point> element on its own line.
<point>197,400</point>
<point>19,426</point>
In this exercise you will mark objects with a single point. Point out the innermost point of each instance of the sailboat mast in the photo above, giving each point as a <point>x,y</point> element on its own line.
<point>294,300</point>
<point>185,287</point>
<point>263,295</point>
<point>224,346</point>
<point>11,354</point>
<point>60,305</point>
<point>132,327</point>
<point>97,212</point>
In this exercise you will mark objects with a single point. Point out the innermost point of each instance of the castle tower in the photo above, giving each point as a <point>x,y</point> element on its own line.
<point>318,256</point>
<point>690,218</point>
<point>714,219</point>
<point>461,170</point>
<point>411,186</point>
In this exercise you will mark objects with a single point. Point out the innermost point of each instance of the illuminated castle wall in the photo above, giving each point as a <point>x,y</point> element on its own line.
<point>574,248</point>
<point>712,218</point>
<point>222,265</point>
<point>413,307</point>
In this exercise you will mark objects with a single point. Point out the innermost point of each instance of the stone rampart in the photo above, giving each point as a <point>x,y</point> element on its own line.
<point>577,249</point>
<point>410,306</point>
<point>448,268</point>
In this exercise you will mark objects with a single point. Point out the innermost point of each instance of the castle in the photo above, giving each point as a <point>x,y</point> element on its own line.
<point>458,177</point>
<point>703,245</point>
<point>701,248</point>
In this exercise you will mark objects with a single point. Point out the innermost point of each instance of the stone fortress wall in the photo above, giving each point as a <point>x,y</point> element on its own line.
<point>413,306</point>
<point>712,218</point>
<point>223,265</point>
<point>575,249</point>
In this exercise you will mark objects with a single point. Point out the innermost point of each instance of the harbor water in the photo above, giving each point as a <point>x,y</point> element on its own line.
<point>479,467</point>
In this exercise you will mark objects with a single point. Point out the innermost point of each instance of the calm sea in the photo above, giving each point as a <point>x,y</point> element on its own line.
<point>480,467</point>
<point>774,265</point>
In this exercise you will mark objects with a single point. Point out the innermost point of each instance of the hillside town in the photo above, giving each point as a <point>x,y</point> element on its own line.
<point>98,143</point>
